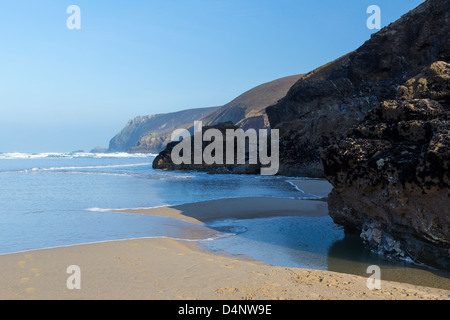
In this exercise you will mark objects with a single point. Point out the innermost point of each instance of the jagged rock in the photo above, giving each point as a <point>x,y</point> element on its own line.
<point>164,159</point>
<point>320,108</point>
<point>433,83</point>
<point>391,174</point>
<point>98,149</point>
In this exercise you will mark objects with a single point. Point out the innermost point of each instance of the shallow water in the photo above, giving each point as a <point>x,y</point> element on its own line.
<point>314,243</point>
<point>50,200</point>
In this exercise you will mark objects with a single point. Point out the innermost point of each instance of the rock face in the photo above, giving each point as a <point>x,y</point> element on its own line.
<point>319,109</point>
<point>164,159</point>
<point>391,174</point>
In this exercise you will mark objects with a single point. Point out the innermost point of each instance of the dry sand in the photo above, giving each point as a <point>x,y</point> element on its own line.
<point>169,269</point>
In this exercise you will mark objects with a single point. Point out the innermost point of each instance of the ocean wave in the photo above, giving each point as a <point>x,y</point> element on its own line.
<point>312,197</point>
<point>88,167</point>
<point>91,170</point>
<point>70,170</point>
<point>134,175</point>
<point>20,155</point>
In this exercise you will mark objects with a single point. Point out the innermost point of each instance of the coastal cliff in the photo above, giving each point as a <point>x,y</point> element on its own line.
<point>320,108</point>
<point>150,134</point>
<point>391,174</point>
<point>376,124</point>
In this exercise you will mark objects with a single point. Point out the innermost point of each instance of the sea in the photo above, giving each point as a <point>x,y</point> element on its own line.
<point>62,199</point>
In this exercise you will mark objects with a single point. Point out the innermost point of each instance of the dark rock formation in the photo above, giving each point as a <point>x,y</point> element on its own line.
<point>391,174</point>
<point>319,109</point>
<point>164,159</point>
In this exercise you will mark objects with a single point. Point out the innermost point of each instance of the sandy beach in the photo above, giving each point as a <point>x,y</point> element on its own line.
<point>168,269</point>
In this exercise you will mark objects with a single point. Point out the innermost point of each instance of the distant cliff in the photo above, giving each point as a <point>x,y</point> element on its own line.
<point>320,107</point>
<point>151,133</point>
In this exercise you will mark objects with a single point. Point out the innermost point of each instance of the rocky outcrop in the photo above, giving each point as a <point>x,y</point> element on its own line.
<point>99,149</point>
<point>432,83</point>
<point>391,174</point>
<point>319,109</point>
<point>150,134</point>
<point>164,159</point>
<point>244,166</point>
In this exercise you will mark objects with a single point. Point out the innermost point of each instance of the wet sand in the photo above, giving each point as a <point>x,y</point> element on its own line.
<point>239,208</point>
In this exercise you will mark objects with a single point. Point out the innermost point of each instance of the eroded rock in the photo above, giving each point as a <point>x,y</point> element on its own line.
<point>391,174</point>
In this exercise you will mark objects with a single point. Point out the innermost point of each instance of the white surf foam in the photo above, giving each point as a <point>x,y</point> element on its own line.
<point>311,196</point>
<point>90,167</point>
<point>21,155</point>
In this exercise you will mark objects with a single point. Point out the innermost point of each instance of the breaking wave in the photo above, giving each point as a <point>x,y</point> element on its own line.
<point>88,167</point>
<point>20,155</point>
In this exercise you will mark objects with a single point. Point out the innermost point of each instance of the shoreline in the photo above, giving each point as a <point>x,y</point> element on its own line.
<point>318,188</point>
<point>235,208</point>
<point>168,269</point>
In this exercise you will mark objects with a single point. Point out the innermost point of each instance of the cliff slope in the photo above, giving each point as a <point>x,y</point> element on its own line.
<point>248,110</point>
<point>324,104</point>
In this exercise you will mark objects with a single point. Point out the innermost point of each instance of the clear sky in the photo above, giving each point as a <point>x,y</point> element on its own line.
<point>63,90</point>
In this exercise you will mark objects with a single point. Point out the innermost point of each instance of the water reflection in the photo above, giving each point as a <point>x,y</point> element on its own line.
<point>315,243</point>
<point>348,255</point>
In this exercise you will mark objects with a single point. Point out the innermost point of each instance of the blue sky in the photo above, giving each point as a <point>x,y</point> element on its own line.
<point>63,90</point>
